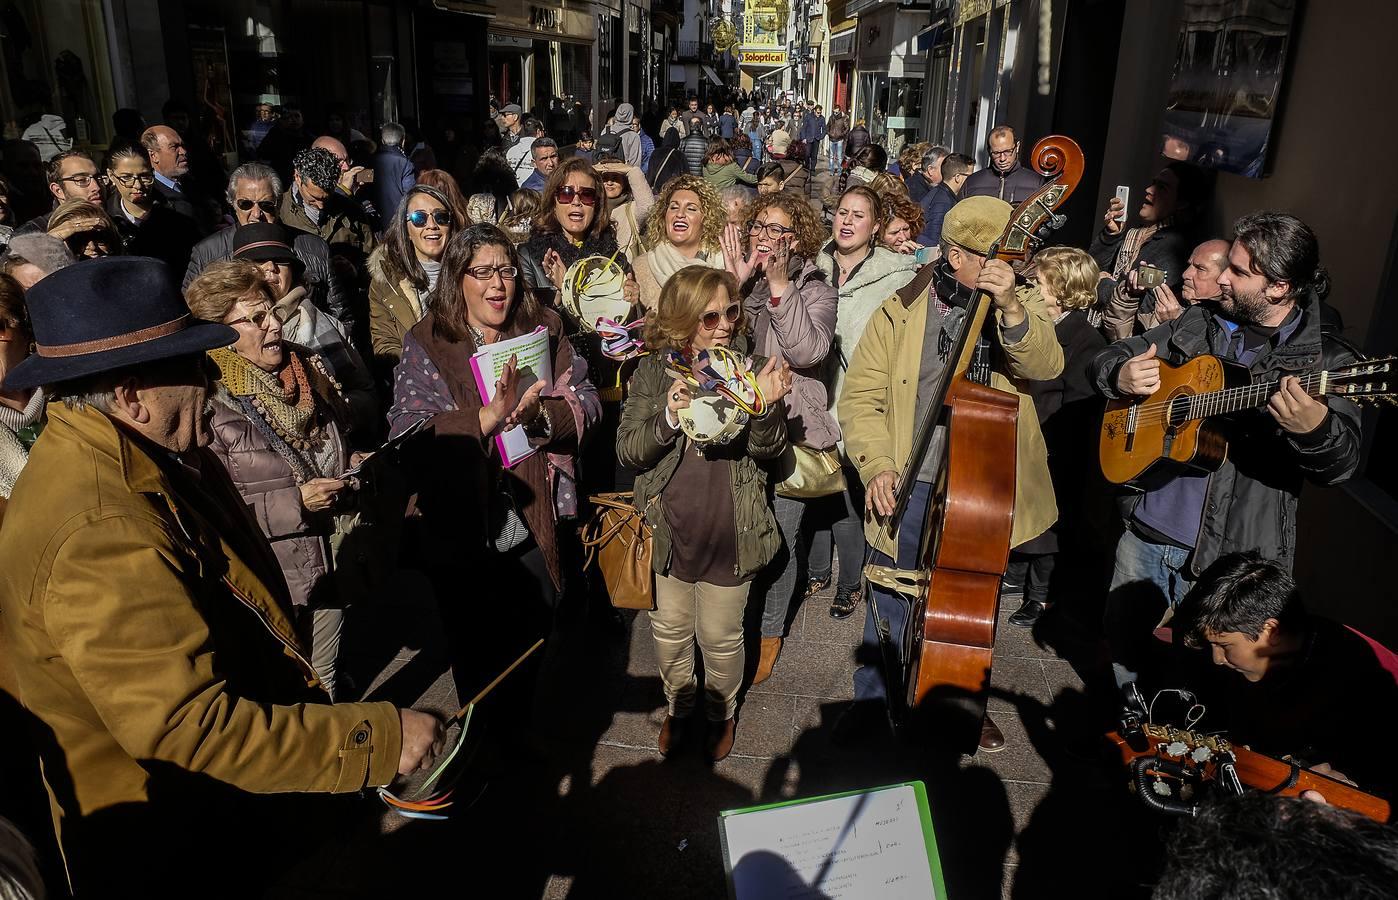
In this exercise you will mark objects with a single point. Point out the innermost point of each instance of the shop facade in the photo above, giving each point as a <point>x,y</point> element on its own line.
<point>888,94</point>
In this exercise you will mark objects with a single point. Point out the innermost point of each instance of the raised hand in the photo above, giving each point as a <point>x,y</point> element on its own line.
<point>734,259</point>
<point>774,381</point>
<point>1167,305</point>
<point>1115,219</point>
<point>554,268</point>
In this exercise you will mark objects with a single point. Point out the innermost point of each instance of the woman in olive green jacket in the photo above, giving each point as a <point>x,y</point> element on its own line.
<point>708,505</point>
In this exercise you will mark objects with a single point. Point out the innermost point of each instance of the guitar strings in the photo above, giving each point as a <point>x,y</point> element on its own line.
<point>1202,405</point>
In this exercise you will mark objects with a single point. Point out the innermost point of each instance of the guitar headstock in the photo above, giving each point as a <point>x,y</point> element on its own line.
<point>1370,381</point>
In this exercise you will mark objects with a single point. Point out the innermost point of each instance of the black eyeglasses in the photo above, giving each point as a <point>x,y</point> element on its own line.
<point>82,179</point>
<point>259,318</point>
<point>485,273</point>
<point>774,231</point>
<point>711,318</point>
<point>566,194</point>
<point>418,217</point>
<point>146,178</point>
<point>267,206</point>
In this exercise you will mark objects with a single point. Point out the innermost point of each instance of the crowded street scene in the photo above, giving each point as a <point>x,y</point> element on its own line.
<point>698,449</point>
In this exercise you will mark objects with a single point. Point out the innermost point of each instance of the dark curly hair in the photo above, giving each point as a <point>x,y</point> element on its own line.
<point>318,166</point>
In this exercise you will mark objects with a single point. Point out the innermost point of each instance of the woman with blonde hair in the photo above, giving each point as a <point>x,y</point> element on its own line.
<point>525,205</point>
<point>685,229</point>
<point>713,528</point>
<point>1068,409</point>
<point>792,306</point>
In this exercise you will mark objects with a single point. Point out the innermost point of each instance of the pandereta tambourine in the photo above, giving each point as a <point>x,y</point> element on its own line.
<point>724,394</point>
<point>593,289</point>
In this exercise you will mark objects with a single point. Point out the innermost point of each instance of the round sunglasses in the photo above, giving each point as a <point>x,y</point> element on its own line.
<point>418,217</point>
<point>711,318</point>
<point>565,195</point>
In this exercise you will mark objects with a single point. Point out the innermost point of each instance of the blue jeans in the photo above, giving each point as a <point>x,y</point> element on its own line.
<point>756,140</point>
<point>837,155</point>
<point>840,517</point>
<point>870,681</point>
<point>1148,579</point>
<point>780,575</point>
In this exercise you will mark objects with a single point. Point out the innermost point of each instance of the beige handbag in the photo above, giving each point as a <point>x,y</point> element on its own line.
<point>810,473</point>
<point>619,541</point>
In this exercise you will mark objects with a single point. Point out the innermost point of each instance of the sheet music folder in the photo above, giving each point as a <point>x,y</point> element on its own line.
<point>855,845</point>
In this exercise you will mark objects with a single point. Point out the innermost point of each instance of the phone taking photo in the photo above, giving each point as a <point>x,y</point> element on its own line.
<point>1123,193</point>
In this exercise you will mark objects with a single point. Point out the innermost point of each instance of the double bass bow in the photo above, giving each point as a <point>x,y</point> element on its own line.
<point>966,535</point>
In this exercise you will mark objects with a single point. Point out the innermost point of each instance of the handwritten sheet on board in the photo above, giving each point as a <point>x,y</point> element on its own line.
<point>843,848</point>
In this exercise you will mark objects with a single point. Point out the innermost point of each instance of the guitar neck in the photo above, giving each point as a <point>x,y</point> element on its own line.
<point>1249,396</point>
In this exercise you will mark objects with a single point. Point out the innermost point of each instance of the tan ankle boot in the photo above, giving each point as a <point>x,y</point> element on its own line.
<point>768,658</point>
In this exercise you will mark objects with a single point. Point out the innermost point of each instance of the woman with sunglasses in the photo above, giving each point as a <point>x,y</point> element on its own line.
<point>481,522</point>
<point>684,231</point>
<point>707,505</point>
<point>278,428</point>
<point>792,307</point>
<point>403,270</point>
<point>85,229</point>
<point>148,226</point>
<point>865,275</point>
<point>629,200</point>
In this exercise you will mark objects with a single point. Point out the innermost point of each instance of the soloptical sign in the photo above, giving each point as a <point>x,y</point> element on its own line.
<point>762,57</point>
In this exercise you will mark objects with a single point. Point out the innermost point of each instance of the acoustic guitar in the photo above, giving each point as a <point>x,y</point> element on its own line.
<point>1172,428</point>
<point>1171,768</point>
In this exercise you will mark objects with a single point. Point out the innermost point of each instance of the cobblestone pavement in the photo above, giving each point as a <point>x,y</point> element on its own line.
<point>595,811</point>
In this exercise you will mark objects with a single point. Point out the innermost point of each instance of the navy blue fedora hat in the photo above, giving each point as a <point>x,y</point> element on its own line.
<point>103,314</point>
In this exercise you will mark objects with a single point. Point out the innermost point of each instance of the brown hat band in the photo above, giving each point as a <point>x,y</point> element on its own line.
<point>255,245</point>
<point>115,342</point>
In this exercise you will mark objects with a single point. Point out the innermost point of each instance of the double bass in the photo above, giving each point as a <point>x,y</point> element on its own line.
<point>955,593</point>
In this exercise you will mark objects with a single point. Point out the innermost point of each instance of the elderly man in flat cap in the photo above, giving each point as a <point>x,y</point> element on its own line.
<point>183,729</point>
<point>894,376</point>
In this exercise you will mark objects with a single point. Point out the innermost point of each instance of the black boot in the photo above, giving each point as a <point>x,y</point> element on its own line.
<point>1029,613</point>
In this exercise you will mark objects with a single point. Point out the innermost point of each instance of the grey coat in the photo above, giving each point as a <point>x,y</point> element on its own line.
<point>1251,499</point>
<point>801,330</point>
<point>300,538</point>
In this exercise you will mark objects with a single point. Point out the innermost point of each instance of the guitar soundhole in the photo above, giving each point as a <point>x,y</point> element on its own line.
<point>1178,411</point>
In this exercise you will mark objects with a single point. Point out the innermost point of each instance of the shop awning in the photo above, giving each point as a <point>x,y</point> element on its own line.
<point>773,72</point>
<point>931,36</point>
<point>711,75</point>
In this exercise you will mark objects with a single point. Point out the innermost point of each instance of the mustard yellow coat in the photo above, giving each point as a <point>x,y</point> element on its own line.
<point>878,409</point>
<point>146,622</point>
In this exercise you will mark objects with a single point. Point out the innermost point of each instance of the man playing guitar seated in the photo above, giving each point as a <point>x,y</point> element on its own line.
<point>892,376</point>
<point>1266,321</point>
<point>1299,685</point>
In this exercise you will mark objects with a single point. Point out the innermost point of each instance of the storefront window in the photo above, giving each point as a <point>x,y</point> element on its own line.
<point>904,113</point>
<point>55,63</point>
<point>872,103</point>
<point>549,79</point>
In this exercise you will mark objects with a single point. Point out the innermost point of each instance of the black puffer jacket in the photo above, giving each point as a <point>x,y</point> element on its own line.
<point>1013,186</point>
<point>1251,499</point>
<point>692,148</point>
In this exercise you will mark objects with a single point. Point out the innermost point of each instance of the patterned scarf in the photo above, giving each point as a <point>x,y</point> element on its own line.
<point>284,399</point>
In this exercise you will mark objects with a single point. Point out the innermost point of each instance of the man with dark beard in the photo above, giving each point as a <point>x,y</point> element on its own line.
<point>1267,320</point>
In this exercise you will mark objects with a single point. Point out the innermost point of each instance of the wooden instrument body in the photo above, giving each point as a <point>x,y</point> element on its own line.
<point>1140,438</point>
<point>953,622</point>
<point>1255,770</point>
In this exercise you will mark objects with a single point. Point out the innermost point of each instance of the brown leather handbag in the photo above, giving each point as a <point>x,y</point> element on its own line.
<point>619,541</point>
